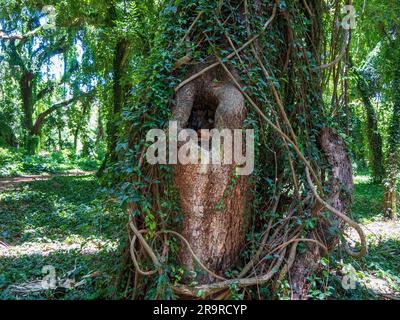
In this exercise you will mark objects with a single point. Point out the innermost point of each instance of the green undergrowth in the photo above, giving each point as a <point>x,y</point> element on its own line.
<point>63,224</point>
<point>377,274</point>
<point>367,200</point>
<point>14,162</point>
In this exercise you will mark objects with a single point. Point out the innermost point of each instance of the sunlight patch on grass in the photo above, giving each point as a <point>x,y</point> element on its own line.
<point>362,179</point>
<point>74,242</point>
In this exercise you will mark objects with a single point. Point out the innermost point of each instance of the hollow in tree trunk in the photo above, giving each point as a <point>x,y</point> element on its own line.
<point>212,197</point>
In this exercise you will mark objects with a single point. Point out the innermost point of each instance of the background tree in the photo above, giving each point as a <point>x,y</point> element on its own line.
<point>30,42</point>
<point>376,42</point>
<point>391,182</point>
<point>367,87</point>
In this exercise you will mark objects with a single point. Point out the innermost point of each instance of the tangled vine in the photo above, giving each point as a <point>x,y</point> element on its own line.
<point>287,70</point>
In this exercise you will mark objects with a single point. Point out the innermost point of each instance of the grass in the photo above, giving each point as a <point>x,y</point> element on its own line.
<point>60,223</point>
<point>367,201</point>
<point>14,162</point>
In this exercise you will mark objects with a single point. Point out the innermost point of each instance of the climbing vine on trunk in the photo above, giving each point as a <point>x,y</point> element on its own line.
<point>390,198</point>
<point>258,65</point>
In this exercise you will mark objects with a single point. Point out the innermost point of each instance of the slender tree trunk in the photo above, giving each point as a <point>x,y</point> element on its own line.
<point>212,198</point>
<point>121,53</point>
<point>335,151</point>
<point>76,134</point>
<point>120,58</point>
<point>100,128</point>
<point>374,137</point>
<point>26,86</point>
<point>390,197</point>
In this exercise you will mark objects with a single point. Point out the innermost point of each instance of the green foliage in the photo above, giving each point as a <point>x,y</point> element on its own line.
<point>367,204</point>
<point>15,162</point>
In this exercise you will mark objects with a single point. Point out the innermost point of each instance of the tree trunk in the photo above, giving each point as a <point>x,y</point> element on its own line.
<point>100,128</point>
<point>390,198</point>
<point>120,58</point>
<point>80,124</point>
<point>340,197</point>
<point>374,137</point>
<point>7,136</point>
<point>213,204</point>
<point>390,195</point>
<point>32,142</point>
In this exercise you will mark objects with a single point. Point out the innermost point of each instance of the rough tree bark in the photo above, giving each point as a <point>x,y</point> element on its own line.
<point>340,190</point>
<point>213,200</point>
<point>213,204</point>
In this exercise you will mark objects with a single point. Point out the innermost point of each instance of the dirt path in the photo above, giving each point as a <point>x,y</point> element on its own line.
<point>383,228</point>
<point>378,230</point>
<point>10,182</point>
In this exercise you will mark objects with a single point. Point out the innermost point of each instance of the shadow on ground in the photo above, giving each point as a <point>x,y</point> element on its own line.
<point>95,271</point>
<point>54,210</point>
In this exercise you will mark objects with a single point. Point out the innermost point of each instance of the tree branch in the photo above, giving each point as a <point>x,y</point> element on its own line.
<point>42,117</point>
<point>58,48</point>
<point>4,36</point>
<point>48,89</point>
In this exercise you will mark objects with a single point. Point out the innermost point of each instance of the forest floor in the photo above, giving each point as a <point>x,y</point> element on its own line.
<point>377,275</point>
<point>10,182</point>
<point>58,224</point>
